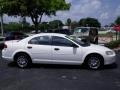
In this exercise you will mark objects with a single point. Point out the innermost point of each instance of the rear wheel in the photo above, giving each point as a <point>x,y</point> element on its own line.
<point>22,60</point>
<point>94,62</point>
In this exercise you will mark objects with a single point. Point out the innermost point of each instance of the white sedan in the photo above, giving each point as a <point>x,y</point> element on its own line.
<point>51,48</point>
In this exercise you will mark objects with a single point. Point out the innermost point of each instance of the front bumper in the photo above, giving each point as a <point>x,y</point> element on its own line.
<point>110,59</point>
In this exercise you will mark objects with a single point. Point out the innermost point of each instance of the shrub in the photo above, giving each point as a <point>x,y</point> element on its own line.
<point>113,44</point>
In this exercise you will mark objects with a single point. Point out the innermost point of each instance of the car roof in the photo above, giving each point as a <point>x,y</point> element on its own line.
<point>42,34</point>
<point>51,34</point>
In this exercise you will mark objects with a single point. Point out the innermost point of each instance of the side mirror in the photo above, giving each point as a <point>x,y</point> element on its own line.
<point>84,40</point>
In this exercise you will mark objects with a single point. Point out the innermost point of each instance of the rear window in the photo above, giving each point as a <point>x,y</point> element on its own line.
<point>81,30</point>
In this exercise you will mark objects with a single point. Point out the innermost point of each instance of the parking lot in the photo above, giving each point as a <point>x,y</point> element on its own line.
<point>59,77</point>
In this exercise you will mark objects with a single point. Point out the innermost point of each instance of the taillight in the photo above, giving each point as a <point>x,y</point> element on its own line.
<point>5,46</point>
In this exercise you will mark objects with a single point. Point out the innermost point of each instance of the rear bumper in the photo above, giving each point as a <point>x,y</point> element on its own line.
<point>7,58</point>
<point>1,46</point>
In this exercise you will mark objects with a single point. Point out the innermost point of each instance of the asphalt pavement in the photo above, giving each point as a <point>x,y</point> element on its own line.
<point>59,77</point>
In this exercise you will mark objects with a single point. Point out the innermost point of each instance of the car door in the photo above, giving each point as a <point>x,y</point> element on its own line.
<point>64,52</point>
<point>40,48</point>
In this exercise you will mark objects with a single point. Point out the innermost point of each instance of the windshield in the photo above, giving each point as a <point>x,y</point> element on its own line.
<point>77,40</point>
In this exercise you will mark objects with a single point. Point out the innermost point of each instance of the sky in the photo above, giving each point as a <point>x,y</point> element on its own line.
<point>106,11</point>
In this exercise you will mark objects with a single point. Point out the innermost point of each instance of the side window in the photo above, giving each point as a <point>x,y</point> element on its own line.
<point>34,41</point>
<point>59,41</point>
<point>84,30</point>
<point>42,40</point>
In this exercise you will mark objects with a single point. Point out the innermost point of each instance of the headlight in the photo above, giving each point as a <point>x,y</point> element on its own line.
<point>109,52</point>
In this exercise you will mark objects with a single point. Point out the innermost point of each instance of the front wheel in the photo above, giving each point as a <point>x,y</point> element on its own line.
<point>22,60</point>
<point>94,62</point>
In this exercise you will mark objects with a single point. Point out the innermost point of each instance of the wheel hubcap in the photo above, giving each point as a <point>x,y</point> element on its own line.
<point>22,61</point>
<point>94,63</point>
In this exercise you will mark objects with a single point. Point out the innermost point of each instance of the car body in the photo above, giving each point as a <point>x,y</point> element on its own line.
<point>14,36</point>
<point>63,31</point>
<point>51,48</point>
<point>81,31</point>
<point>89,33</point>
<point>111,31</point>
<point>34,32</point>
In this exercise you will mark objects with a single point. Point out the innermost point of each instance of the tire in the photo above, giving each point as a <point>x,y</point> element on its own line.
<point>22,60</point>
<point>95,62</point>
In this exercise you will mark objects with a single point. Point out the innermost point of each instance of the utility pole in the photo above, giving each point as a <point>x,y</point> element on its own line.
<point>1,17</point>
<point>58,25</point>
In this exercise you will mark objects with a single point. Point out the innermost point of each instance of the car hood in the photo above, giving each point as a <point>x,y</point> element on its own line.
<point>96,48</point>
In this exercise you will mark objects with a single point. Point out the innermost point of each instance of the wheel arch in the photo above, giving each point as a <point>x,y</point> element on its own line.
<point>90,54</point>
<point>23,52</point>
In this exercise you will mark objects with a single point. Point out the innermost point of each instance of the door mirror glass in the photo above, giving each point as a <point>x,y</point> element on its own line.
<point>84,40</point>
<point>74,45</point>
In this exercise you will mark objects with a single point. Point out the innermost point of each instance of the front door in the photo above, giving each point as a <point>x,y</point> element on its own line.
<point>64,52</point>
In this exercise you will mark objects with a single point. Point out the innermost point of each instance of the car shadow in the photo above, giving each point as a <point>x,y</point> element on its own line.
<point>57,66</point>
<point>12,64</point>
<point>48,66</point>
<point>111,66</point>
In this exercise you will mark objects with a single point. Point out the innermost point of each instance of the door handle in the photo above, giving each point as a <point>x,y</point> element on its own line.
<point>29,47</point>
<point>56,49</point>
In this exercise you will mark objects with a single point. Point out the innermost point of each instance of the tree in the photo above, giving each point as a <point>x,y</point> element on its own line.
<point>69,23</point>
<point>89,22</point>
<point>12,26</point>
<point>35,9</point>
<point>23,21</point>
<point>43,26</point>
<point>117,21</point>
<point>74,24</point>
<point>111,24</point>
<point>55,24</point>
<point>82,22</point>
<point>24,24</point>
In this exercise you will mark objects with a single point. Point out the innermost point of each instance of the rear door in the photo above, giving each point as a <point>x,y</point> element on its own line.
<point>40,48</point>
